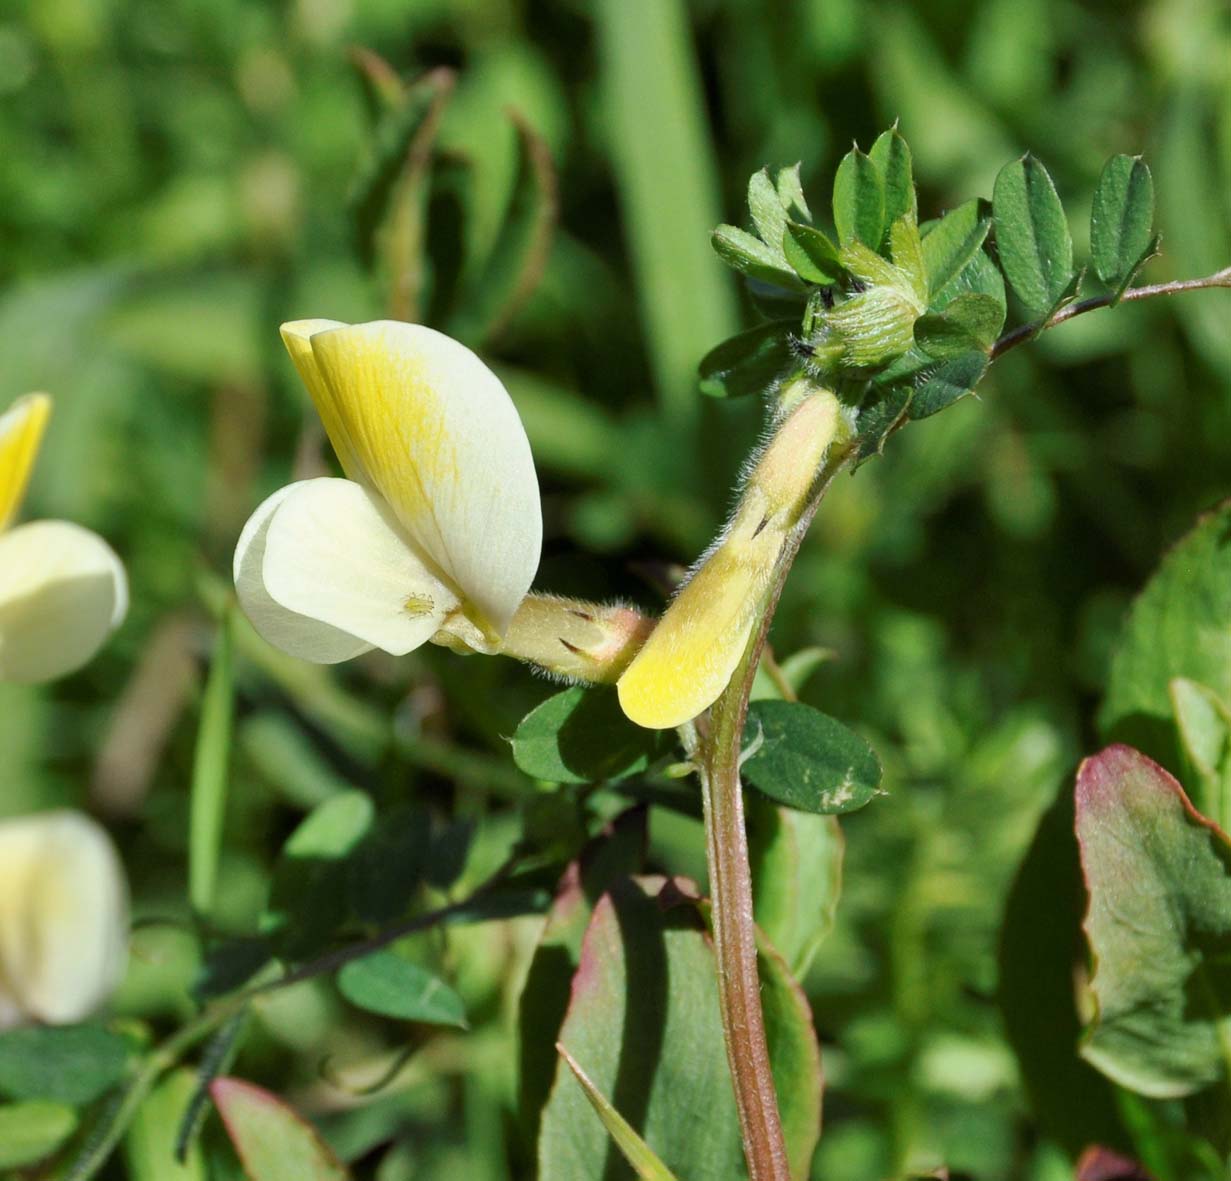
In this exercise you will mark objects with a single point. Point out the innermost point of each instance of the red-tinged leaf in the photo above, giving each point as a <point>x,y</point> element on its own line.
<point>1101,1164</point>
<point>1158,875</point>
<point>616,853</point>
<point>643,1017</point>
<point>273,1141</point>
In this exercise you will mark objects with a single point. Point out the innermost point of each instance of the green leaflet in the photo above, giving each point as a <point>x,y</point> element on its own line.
<point>1203,723</point>
<point>808,760</point>
<point>891,155</point>
<point>1121,219</point>
<point>880,416</point>
<point>969,323</point>
<point>946,382</point>
<point>812,254</point>
<point>582,736</point>
<point>150,1145</point>
<point>790,191</point>
<point>70,1064</point>
<point>385,983</point>
<point>748,363</point>
<point>797,877</point>
<point>767,210</point>
<point>859,200</point>
<point>950,243</point>
<point>616,854</point>
<point>31,1131</point>
<point>750,256</point>
<point>1032,235</point>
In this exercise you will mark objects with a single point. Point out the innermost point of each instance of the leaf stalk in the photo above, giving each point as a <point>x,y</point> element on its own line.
<point>1175,287</point>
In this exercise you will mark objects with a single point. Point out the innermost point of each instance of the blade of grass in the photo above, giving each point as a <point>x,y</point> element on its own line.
<point>210,773</point>
<point>636,1151</point>
<point>667,181</point>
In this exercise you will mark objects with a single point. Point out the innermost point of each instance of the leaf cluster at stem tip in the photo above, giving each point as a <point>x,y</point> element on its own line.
<point>903,316</point>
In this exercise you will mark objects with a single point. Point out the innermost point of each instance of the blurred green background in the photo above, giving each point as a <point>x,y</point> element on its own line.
<point>177,181</point>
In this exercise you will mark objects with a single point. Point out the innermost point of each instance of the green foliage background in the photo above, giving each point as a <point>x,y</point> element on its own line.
<point>176,183</point>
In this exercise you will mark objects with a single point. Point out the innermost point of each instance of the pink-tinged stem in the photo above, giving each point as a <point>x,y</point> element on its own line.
<point>717,746</point>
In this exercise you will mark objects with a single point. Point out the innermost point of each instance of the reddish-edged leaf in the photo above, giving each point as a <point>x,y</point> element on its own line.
<point>1158,874</point>
<point>273,1141</point>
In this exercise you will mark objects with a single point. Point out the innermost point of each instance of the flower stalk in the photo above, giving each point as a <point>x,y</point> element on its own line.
<point>715,745</point>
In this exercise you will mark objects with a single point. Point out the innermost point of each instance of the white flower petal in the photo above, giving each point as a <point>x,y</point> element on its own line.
<point>439,438</point>
<point>307,639</point>
<point>63,917</point>
<point>62,592</point>
<point>334,553</point>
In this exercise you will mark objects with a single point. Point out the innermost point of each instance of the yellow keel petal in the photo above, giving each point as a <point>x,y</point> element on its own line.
<point>690,656</point>
<point>693,652</point>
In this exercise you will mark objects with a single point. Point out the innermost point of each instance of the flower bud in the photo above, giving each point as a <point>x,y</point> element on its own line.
<point>877,324</point>
<point>63,918</point>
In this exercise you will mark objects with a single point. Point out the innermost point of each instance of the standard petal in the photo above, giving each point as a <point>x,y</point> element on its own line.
<point>21,432</point>
<point>62,593</point>
<point>439,438</point>
<point>63,917</point>
<point>297,635</point>
<point>334,553</point>
<point>296,335</point>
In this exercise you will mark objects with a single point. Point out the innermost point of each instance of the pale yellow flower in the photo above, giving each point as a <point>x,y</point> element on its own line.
<point>62,589</point>
<point>63,918</point>
<point>437,526</point>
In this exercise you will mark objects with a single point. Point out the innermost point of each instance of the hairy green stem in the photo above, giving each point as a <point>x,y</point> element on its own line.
<point>717,754</point>
<point>1030,331</point>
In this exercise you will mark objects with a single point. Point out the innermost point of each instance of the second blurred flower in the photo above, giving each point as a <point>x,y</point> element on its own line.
<point>63,918</point>
<point>62,589</point>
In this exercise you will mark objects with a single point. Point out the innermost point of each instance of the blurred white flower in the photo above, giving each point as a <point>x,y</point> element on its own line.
<point>63,918</point>
<point>62,589</point>
<point>437,527</point>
